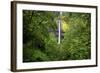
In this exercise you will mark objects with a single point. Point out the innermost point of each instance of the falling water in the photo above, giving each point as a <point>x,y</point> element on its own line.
<point>59,28</point>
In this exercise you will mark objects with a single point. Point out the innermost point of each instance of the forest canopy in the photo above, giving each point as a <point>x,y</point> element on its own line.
<point>41,31</point>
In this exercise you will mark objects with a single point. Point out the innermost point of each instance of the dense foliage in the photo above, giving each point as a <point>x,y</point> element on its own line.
<point>40,39</point>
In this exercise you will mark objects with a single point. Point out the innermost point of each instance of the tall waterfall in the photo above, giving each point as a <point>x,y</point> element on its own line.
<point>59,28</point>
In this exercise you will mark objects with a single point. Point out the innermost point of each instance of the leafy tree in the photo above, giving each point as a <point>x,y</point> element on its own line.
<point>40,36</point>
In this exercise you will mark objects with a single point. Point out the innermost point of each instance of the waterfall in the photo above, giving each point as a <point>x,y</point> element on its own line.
<point>59,28</point>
